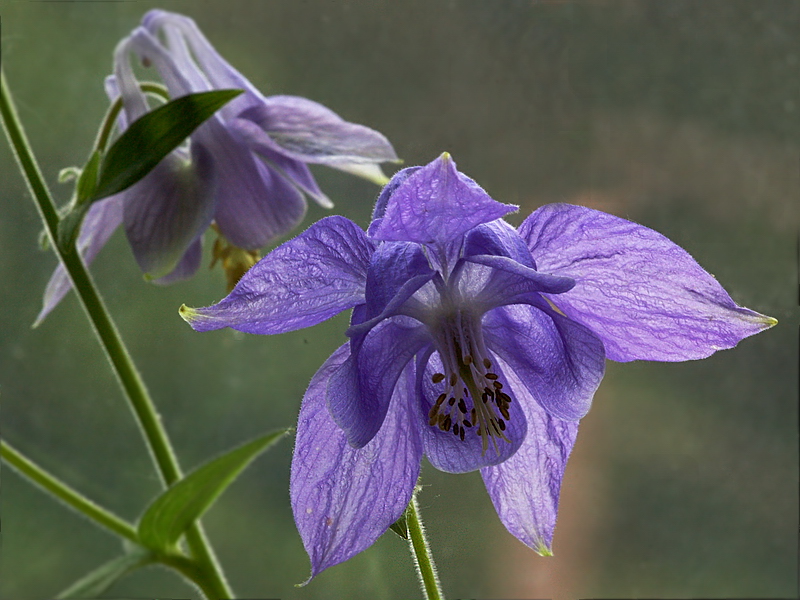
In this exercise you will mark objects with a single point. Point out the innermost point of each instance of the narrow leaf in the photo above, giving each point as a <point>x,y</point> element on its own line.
<point>99,580</point>
<point>400,527</point>
<point>174,511</point>
<point>87,181</point>
<point>154,135</point>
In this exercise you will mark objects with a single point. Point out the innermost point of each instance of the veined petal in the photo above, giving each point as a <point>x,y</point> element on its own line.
<point>526,487</point>
<point>561,362</point>
<point>168,209</point>
<point>359,391</point>
<point>505,281</point>
<point>395,267</point>
<point>644,296</point>
<point>100,222</point>
<point>386,193</point>
<point>302,282</point>
<point>295,171</point>
<point>448,452</point>
<point>310,132</point>
<point>436,205</point>
<point>254,203</point>
<point>217,70</point>
<point>396,272</point>
<point>344,499</point>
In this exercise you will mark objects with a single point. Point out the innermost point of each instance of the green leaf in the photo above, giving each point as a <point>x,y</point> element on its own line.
<point>99,580</point>
<point>400,527</point>
<point>174,511</point>
<point>154,135</point>
<point>87,180</point>
<point>70,225</point>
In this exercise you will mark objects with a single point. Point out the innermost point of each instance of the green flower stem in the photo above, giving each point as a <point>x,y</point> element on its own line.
<point>132,384</point>
<point>65,493</point>
<point>426,569</point>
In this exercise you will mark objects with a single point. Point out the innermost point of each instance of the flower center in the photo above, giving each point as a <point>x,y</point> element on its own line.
<point>472,397</point>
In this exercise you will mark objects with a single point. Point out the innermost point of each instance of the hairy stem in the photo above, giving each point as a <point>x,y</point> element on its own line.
<point>423,560</point>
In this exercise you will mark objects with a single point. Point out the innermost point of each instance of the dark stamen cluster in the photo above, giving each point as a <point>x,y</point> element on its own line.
<point>456,409</point>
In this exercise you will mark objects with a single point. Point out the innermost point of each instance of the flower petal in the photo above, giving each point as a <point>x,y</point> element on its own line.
<point>525,488</point>
<point>561,362</point>
<point>386,193</point>
<point>219,73</point>
<point>359,391</point>
<point>498,238</point>
<point>343,499</point>
<point>295,171</point>
<point>100,222</point>
<point>446,451</point>
<point>435,205</point>
<point>168,210</point>
<point>254,204</point>
<point>302,282</point>
<point>506,281</point>
<point>187,266</point>
<point>308,131</point>
<point>395,268</point>
<point>644,296</point>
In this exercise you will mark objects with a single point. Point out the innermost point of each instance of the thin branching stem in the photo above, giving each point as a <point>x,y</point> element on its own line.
<point>130,380</point>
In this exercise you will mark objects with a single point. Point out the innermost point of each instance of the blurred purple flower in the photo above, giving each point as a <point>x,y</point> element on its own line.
<point>245,168</point>
<point>472,343</point>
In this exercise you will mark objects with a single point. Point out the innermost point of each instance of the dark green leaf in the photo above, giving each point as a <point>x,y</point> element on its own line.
<point>400,527</point>
<point>173,512</point>
<point>99,580</point>
<point>87,181</point>
<point>154,135</point>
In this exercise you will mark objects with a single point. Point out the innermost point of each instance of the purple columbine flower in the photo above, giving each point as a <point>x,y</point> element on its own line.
<point>472,343</point>
<point>245,169</point>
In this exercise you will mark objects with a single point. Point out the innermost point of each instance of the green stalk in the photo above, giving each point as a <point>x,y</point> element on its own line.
<point>128,376</point>
<point>69,496</point>
<point>423,560</point>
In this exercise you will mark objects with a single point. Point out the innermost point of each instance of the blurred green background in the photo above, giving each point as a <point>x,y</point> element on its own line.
<point>683,116</point>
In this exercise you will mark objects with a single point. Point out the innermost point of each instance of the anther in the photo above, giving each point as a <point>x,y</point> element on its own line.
<point>437,377</point>
<point>490,376</point>
<point>447,423</point>
<point>467,424</point>
<point>433,420</point>
<point>453,379</point>
<point>440,399</point>
<point>497,385</point>
<point>452,401</point>
<point>504,397</point>
<point>468,359</point>
<point>432,412</point>
<point>501,424</point>
<point>462,406</point>
<point>504,412</point>
<point>461,434</point>
<point>487,363</point>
